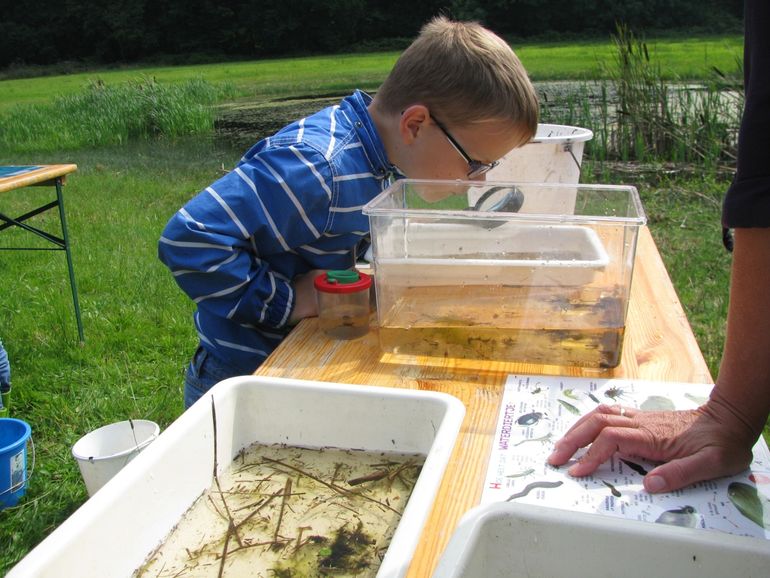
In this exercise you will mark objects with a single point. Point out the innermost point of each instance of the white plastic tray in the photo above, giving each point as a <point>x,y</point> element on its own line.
<point>112,534</point>
<point>508,254</point>
<point>522,540</point>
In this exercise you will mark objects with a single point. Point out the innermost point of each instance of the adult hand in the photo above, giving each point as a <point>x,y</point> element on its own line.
<point>701,444</point>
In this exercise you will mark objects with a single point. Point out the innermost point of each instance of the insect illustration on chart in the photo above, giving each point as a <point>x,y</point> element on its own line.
<point>614,393</point>
<point>615,492</point>
<point>544,439</point>
<point>686,517</point>
<point>533,486</point>
<point>750,503</point>
<point>529,419</point>
<point>657,403</point>
<point>698,399</point>
<point>569,407</point>
<point>522,474</point>
<point>634,466</point>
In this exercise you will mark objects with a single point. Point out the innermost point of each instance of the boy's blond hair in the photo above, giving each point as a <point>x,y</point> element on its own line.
<point>463,73</point>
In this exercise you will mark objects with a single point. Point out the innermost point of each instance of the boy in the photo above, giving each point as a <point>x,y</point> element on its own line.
<point>247,249</point>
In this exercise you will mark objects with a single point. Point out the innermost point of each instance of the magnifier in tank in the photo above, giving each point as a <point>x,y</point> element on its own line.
<point>500,199</point>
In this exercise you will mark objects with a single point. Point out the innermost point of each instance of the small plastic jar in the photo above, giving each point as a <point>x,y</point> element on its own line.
<point>343,303</point>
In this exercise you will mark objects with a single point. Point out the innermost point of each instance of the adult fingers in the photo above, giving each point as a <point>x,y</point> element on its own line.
<point>625,440</point>
<point>587,429</point>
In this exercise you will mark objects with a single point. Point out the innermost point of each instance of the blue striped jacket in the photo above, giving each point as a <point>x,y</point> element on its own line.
<point>292,204</point>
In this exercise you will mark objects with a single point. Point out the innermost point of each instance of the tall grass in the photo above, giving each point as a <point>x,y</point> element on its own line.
<point>640,114</point>
<point>103,115</point>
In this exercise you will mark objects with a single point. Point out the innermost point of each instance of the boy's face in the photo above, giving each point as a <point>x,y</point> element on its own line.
<point>458,152</point>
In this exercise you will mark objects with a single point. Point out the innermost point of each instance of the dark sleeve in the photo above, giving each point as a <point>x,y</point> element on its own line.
<point>747,203</point>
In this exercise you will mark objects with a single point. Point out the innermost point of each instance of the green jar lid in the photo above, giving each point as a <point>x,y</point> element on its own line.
<point>342,282</point>
<point>343,276</point>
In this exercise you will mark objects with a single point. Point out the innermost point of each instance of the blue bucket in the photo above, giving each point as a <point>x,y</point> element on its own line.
<point>14,434</point>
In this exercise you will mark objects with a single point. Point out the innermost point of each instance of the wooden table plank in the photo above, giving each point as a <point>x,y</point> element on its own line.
<point>659,346</point>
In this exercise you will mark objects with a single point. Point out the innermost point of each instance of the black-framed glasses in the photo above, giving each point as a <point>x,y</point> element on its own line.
<point>475,168</point>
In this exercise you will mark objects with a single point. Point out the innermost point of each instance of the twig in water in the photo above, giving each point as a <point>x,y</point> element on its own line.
<point>286,494</point>
<point>334,487</point>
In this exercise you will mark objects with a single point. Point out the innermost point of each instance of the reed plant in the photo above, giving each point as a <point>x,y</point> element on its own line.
<point>103,115</point>
<point>638,113</point>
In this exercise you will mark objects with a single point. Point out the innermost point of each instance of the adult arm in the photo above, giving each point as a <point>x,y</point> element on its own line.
<point>716,439</point>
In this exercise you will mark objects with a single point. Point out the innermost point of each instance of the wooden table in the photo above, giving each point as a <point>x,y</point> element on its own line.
<point>659,345</point>
<point>43,175</point>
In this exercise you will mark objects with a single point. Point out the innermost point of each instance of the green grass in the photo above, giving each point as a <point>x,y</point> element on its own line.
<point>684,217</point>
<point>690,58</point>
<point>686,59</point>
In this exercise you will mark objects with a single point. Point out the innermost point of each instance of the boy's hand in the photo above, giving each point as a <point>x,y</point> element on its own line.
<point>305,304</point>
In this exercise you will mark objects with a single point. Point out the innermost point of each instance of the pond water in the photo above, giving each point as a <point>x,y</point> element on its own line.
<point>290,511</point>
<point>245,122</point>
<point>651,120</point>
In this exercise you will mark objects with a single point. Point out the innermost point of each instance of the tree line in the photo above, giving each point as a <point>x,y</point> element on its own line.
<point>113,31</point>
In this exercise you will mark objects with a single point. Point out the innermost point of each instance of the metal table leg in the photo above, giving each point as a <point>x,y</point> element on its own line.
<point>65,235</point>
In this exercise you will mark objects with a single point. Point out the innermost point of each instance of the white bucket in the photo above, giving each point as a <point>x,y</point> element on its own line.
<point>105,451</point>
<point>554,155</point>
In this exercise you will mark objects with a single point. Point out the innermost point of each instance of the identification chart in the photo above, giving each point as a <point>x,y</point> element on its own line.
<point>537,410</point>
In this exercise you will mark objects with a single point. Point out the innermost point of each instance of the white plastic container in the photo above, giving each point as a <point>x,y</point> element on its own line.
<point>510,254</point>
<point>521,540</point>
<point>103,452</point>
<point>113,533</point>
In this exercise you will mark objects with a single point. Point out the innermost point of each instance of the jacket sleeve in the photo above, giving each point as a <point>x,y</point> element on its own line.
<point>219,246</point>
<point>747,203</point>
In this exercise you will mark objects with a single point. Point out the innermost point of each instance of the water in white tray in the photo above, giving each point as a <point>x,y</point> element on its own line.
<point>283,511</point>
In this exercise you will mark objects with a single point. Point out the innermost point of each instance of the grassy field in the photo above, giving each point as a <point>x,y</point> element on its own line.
<point>138,327</point>
<point>679,59</point>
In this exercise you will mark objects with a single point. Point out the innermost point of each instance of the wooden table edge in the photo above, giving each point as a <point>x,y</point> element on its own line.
<point>45,175</point>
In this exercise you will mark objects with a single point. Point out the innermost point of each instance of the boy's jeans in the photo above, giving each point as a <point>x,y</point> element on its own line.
<point>203,372</point>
